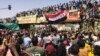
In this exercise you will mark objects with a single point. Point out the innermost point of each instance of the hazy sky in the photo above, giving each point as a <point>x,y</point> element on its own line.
<point>24,5</point>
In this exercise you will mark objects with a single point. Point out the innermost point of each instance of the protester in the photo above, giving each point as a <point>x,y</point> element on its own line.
<point>1,47</point>
<point>96,48</point>
<point>48,41</point>
<point>27,40</point>
<point>61,50</point>
<point>36,50</point>
<point>74,50</point>
<point>50,47</point>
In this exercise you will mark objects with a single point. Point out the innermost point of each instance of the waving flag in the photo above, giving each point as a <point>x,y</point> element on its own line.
<point>58,17</point>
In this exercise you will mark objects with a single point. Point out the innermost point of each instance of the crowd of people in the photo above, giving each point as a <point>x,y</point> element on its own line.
<point>8,20</point>
<point>48,41</point>
<point>84,6</point>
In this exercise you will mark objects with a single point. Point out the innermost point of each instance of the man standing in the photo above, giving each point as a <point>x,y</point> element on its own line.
<point>27,40</point>
<point>36,50</point>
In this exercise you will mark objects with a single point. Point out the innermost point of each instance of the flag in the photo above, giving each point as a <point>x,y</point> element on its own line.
<point>57,17</point>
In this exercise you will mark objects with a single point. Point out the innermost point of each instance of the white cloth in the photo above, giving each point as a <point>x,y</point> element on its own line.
<point>48,39</point>
<point>85,6</point>
<point>55,39</point>
<point>39,39</point>
<point>97,43</point>
<point>27,41</point>
<point>95,38</point>
<point>67,48</point>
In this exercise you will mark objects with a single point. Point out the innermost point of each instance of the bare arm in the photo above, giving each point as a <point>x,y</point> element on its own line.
<point>15,51</point>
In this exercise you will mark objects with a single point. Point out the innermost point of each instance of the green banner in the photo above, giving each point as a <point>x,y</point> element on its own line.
<point>11,26</point>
